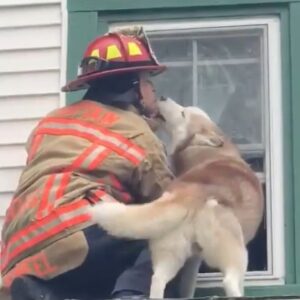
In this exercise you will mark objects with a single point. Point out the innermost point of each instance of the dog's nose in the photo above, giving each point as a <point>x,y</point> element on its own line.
<point>162,98</point>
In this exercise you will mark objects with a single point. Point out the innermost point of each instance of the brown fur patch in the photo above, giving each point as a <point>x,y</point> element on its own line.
<point>217,172</point>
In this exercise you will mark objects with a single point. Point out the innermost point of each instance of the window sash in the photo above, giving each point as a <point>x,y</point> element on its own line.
<point>272,124</point>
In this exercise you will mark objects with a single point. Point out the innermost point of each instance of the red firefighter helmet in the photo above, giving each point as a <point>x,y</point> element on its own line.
<point>112,54</point>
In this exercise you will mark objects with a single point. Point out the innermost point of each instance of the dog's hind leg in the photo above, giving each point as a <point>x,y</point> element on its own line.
<point>232,283</point>
<point>168,257</point>
<point>223,247</point>
<point>234,268</point>
<point>164,270</point>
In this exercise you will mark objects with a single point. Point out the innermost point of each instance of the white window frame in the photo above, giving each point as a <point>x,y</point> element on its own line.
<point>274,142</point>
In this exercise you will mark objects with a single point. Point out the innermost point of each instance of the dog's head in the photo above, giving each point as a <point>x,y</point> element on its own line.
<point>188,125</point>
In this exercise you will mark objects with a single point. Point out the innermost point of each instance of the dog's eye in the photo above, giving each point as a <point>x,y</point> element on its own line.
<point>183,114</point>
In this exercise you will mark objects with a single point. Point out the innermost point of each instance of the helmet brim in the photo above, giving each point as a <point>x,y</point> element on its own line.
<point>82,82</point>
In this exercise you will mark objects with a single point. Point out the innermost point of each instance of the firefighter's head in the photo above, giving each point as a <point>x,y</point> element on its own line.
<point>120,64</point>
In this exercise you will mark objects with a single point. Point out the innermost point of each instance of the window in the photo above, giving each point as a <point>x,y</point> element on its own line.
<point>231,69</point>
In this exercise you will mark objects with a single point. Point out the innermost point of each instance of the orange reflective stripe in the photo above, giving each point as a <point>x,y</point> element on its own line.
<point>115,142</point>
<point>45,197</point>
<point>36,265</point>
<point>77,163</point>
<point>63,184</point>
<point>54,188</point>
<point>121,152</point>
<point>54,221</point>
<point>96,149</point>
<point>24,234</point>
<point>115,182</point>
<point>63,209</point>
<point>102,195</point>
<point>36,231</point>
<point>80,160</point>
<point>95,196</point>
<point>88,159</point>
<point>126,197</point>
<point>88,110</point>
<point>57,183</point>
<point>109,118</point>
<point>100,157</point>
<point>63,217</point>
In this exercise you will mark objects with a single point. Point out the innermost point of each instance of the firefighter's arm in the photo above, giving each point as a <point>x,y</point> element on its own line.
<point>153,174</point>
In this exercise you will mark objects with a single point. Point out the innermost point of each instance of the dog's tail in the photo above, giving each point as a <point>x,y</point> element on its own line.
<point>139,221</point>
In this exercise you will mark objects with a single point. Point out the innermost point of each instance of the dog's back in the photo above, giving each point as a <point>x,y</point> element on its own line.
<point>222,174</point>
<point>230,181</point>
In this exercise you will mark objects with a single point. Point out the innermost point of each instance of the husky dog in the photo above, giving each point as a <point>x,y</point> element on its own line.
<point>213,208</point>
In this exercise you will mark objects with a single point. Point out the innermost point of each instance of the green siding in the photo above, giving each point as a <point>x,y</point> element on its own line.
<point>121,5</point>
<point>82,27</point>
<point>92,17</point>
<point>295,92</point>
<point>260,291</point>
<point>197,13</point>
<point>287,151</point>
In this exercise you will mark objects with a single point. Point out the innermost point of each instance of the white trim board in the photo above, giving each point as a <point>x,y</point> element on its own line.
<point>26,2</point>
<point>64,52</point>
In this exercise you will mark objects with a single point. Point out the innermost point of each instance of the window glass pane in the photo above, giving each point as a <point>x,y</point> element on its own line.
<point>233,100</point>
<point>230,83</point>
<point>227,44</point>
<point>172,50</point>
<point>228,79</point>
<point>222,71</point>
<point>176,83</point>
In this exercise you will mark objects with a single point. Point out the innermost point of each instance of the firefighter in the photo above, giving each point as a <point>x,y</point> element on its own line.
<point>101,148</point>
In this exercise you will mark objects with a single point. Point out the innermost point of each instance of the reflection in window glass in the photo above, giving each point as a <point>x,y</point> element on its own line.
<point>236,104</point>
<point>222,72</point>
<point>173,50</point>
<point>181,89</point>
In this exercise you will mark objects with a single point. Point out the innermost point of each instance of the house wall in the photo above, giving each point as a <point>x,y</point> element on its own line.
<point>30,77</point>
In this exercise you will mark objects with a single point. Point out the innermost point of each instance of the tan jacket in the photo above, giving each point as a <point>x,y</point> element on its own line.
<point>79,155</point>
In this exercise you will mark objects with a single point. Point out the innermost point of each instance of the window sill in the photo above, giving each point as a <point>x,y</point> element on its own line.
<point>254,291</point>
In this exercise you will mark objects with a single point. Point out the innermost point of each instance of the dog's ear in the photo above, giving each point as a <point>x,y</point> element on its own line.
<point>208,139</point>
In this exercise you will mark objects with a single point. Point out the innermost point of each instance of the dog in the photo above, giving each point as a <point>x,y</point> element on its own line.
<point>212,209</point>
